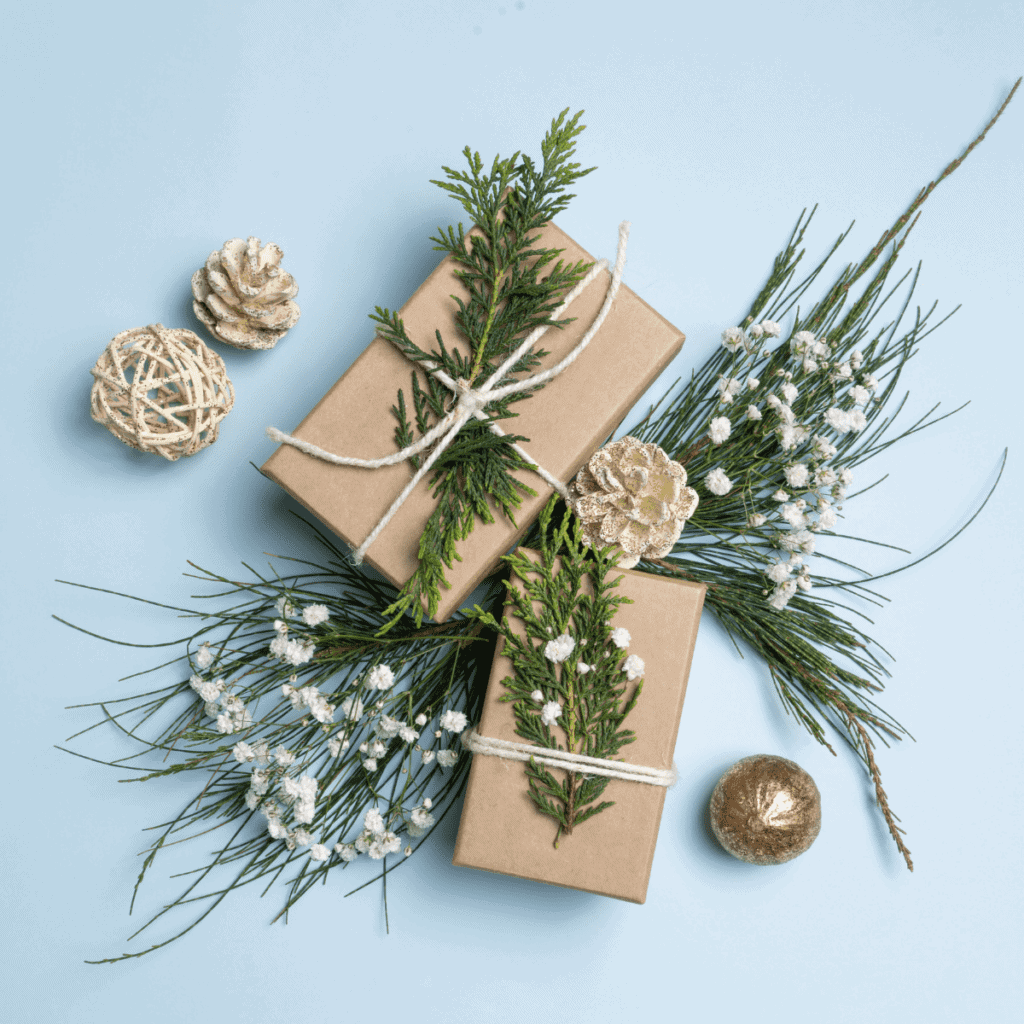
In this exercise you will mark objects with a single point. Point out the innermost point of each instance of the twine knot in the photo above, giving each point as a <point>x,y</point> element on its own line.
<point>471,401</point>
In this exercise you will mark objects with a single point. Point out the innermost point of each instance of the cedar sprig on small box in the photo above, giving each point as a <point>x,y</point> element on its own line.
<point>514,288</point>
<point>572,681</point>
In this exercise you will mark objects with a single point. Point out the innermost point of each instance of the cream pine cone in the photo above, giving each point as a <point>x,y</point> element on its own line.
<point>631,494</point>
<point>243,296</point>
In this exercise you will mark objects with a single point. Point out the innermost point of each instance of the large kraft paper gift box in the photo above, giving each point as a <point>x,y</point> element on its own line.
<point>611,853</point>
<point>566,422</point>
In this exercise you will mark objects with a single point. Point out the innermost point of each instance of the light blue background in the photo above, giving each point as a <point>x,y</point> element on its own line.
<point>139,137</point>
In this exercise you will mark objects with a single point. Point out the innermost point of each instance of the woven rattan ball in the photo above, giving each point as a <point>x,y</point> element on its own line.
<point>161,390</point>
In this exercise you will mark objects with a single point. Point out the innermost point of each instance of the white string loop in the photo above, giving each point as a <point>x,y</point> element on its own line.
<point>567,760</point>
<point>473,402</point>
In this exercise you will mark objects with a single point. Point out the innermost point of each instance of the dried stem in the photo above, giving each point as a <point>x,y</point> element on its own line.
<point>895,831</point>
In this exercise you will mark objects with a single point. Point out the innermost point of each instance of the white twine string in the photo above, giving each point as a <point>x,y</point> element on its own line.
<point>473,401</point>
<point>567,760</point>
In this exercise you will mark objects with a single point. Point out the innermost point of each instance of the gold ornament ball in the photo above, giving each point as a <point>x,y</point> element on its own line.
<point>766,810</point>
<point>161,390</point>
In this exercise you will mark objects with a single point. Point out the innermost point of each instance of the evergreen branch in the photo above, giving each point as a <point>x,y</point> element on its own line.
<point>819,403</point>
<point>473,479</point>
<point>573,589</point>
<point>371,757</point>
<point>513,288</point>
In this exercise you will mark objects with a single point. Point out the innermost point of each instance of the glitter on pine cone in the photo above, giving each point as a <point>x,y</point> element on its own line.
<point>243,296</point>
<point>161,390</point>
<point>633,496</point>
<point>766,810</point>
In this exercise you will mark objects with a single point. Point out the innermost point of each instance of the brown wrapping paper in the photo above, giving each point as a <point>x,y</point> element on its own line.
<point>566,422</point>
<point>610,853</point>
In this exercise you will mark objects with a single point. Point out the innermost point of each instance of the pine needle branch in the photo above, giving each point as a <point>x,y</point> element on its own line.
<point>253,719</point>
<point>773,477</point>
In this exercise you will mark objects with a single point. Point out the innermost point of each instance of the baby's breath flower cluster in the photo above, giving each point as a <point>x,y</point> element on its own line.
<point>829,393</point>
<point>226,709</point>
<point>280,785</point>
<point>289,649</point>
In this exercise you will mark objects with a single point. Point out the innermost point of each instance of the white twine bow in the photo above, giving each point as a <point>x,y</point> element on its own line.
<point>567,760</point>
<point>473,401</point>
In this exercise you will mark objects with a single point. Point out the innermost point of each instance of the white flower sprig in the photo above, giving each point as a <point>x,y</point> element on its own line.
<point>298,765</point>
<point>811,400</point>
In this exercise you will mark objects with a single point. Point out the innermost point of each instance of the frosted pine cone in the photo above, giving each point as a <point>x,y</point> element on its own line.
<point>243,296</point>
<point>631,494</point>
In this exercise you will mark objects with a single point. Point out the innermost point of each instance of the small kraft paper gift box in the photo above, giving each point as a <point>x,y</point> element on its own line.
<point>610,853</point>
<point>565,422</point>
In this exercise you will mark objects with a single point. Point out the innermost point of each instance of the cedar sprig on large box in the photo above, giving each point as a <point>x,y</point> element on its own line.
<point>510,296</point>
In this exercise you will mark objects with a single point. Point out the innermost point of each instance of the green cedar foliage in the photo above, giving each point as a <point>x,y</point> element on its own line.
<point>569,590</point>
<point>514,287</point>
